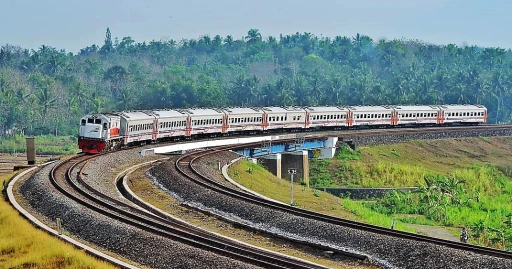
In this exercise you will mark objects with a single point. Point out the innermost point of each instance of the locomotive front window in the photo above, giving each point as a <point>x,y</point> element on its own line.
<point>83,122</point>
<point>97,121</point>
<point>89,120</point>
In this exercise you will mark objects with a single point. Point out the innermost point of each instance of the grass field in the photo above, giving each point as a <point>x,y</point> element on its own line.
<point>23,246</point>
<point>256,178</point>
<point>45,145</point>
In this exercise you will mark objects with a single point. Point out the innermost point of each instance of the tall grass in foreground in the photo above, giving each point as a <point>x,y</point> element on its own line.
<point>24,246</point>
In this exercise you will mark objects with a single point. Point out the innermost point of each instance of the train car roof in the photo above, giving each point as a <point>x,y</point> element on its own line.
<point>419,107</point>
<point>100,115</point>
<point>283,109</point>
<point>137,115</point>
<point>370,108</point>
<point>170,113</point>
<point>326,109</point>
<point>242,110</point>
<point>202,111</point>
<point>463,107</point>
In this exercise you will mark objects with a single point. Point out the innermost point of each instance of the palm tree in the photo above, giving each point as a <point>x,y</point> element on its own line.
<point>283,92</point>
<point>253,36</point>
<point>46,101</point>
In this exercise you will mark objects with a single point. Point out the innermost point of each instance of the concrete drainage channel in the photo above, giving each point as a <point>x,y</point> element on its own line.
<point>39,224</point>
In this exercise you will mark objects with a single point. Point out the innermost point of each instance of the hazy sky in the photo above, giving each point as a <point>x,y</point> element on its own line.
<point>72,25</point>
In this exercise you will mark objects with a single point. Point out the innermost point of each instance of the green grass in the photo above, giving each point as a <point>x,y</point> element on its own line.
<point>23,246</point>
<point>481,200</point>
<point>45,144</point>
<point>262,181</point>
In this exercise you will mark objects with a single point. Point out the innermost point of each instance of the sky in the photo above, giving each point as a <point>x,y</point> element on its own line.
<point>73,25</point>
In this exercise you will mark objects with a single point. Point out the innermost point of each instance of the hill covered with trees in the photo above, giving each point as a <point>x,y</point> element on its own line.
<point>46,91</point>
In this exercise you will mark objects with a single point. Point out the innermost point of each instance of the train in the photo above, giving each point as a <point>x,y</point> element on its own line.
<point>107,131</point>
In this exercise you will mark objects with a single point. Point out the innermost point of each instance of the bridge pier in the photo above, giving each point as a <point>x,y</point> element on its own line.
<point>299,160</point>
<point>273,164</point>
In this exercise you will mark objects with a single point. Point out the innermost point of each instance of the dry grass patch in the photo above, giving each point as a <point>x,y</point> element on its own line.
<point>23,246</point>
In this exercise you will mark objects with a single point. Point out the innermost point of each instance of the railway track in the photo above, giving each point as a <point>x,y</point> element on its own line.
<point>185,165</point>
<point>67,178</point>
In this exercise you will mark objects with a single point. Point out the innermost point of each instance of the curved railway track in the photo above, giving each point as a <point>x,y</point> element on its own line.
<point>62,177</point>
<point>67,178</point>
<point>185,165</point>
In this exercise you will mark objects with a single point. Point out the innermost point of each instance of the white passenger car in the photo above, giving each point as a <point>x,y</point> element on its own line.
<point>244,119</point>
<point>327,116</point>
<point>371,115</point>
<point>418,114</point>
<point>464,114</point>
<point>171,123</point>
<point>138,126</point>
<point>205,120</point>
<point>284,117</point>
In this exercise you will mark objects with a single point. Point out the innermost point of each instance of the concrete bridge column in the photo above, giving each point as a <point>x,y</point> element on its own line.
<point>299,160</point>
<point>273,164</point>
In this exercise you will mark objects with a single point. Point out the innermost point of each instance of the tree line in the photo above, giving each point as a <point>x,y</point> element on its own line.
<point>46,91</point>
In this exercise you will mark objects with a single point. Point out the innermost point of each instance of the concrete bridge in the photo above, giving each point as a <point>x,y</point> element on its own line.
<point>279,157</point>
<point>276,156</point>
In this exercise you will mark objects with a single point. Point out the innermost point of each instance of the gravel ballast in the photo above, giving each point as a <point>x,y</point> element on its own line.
<point>131,243</point>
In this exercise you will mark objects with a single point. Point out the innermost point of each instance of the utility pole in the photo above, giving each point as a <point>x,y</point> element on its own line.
<point>292,171</point>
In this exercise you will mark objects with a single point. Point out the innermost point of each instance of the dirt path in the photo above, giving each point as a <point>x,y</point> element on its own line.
<point>446,233</point>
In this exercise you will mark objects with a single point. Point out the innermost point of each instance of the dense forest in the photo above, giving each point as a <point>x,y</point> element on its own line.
<point>46,91</point>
